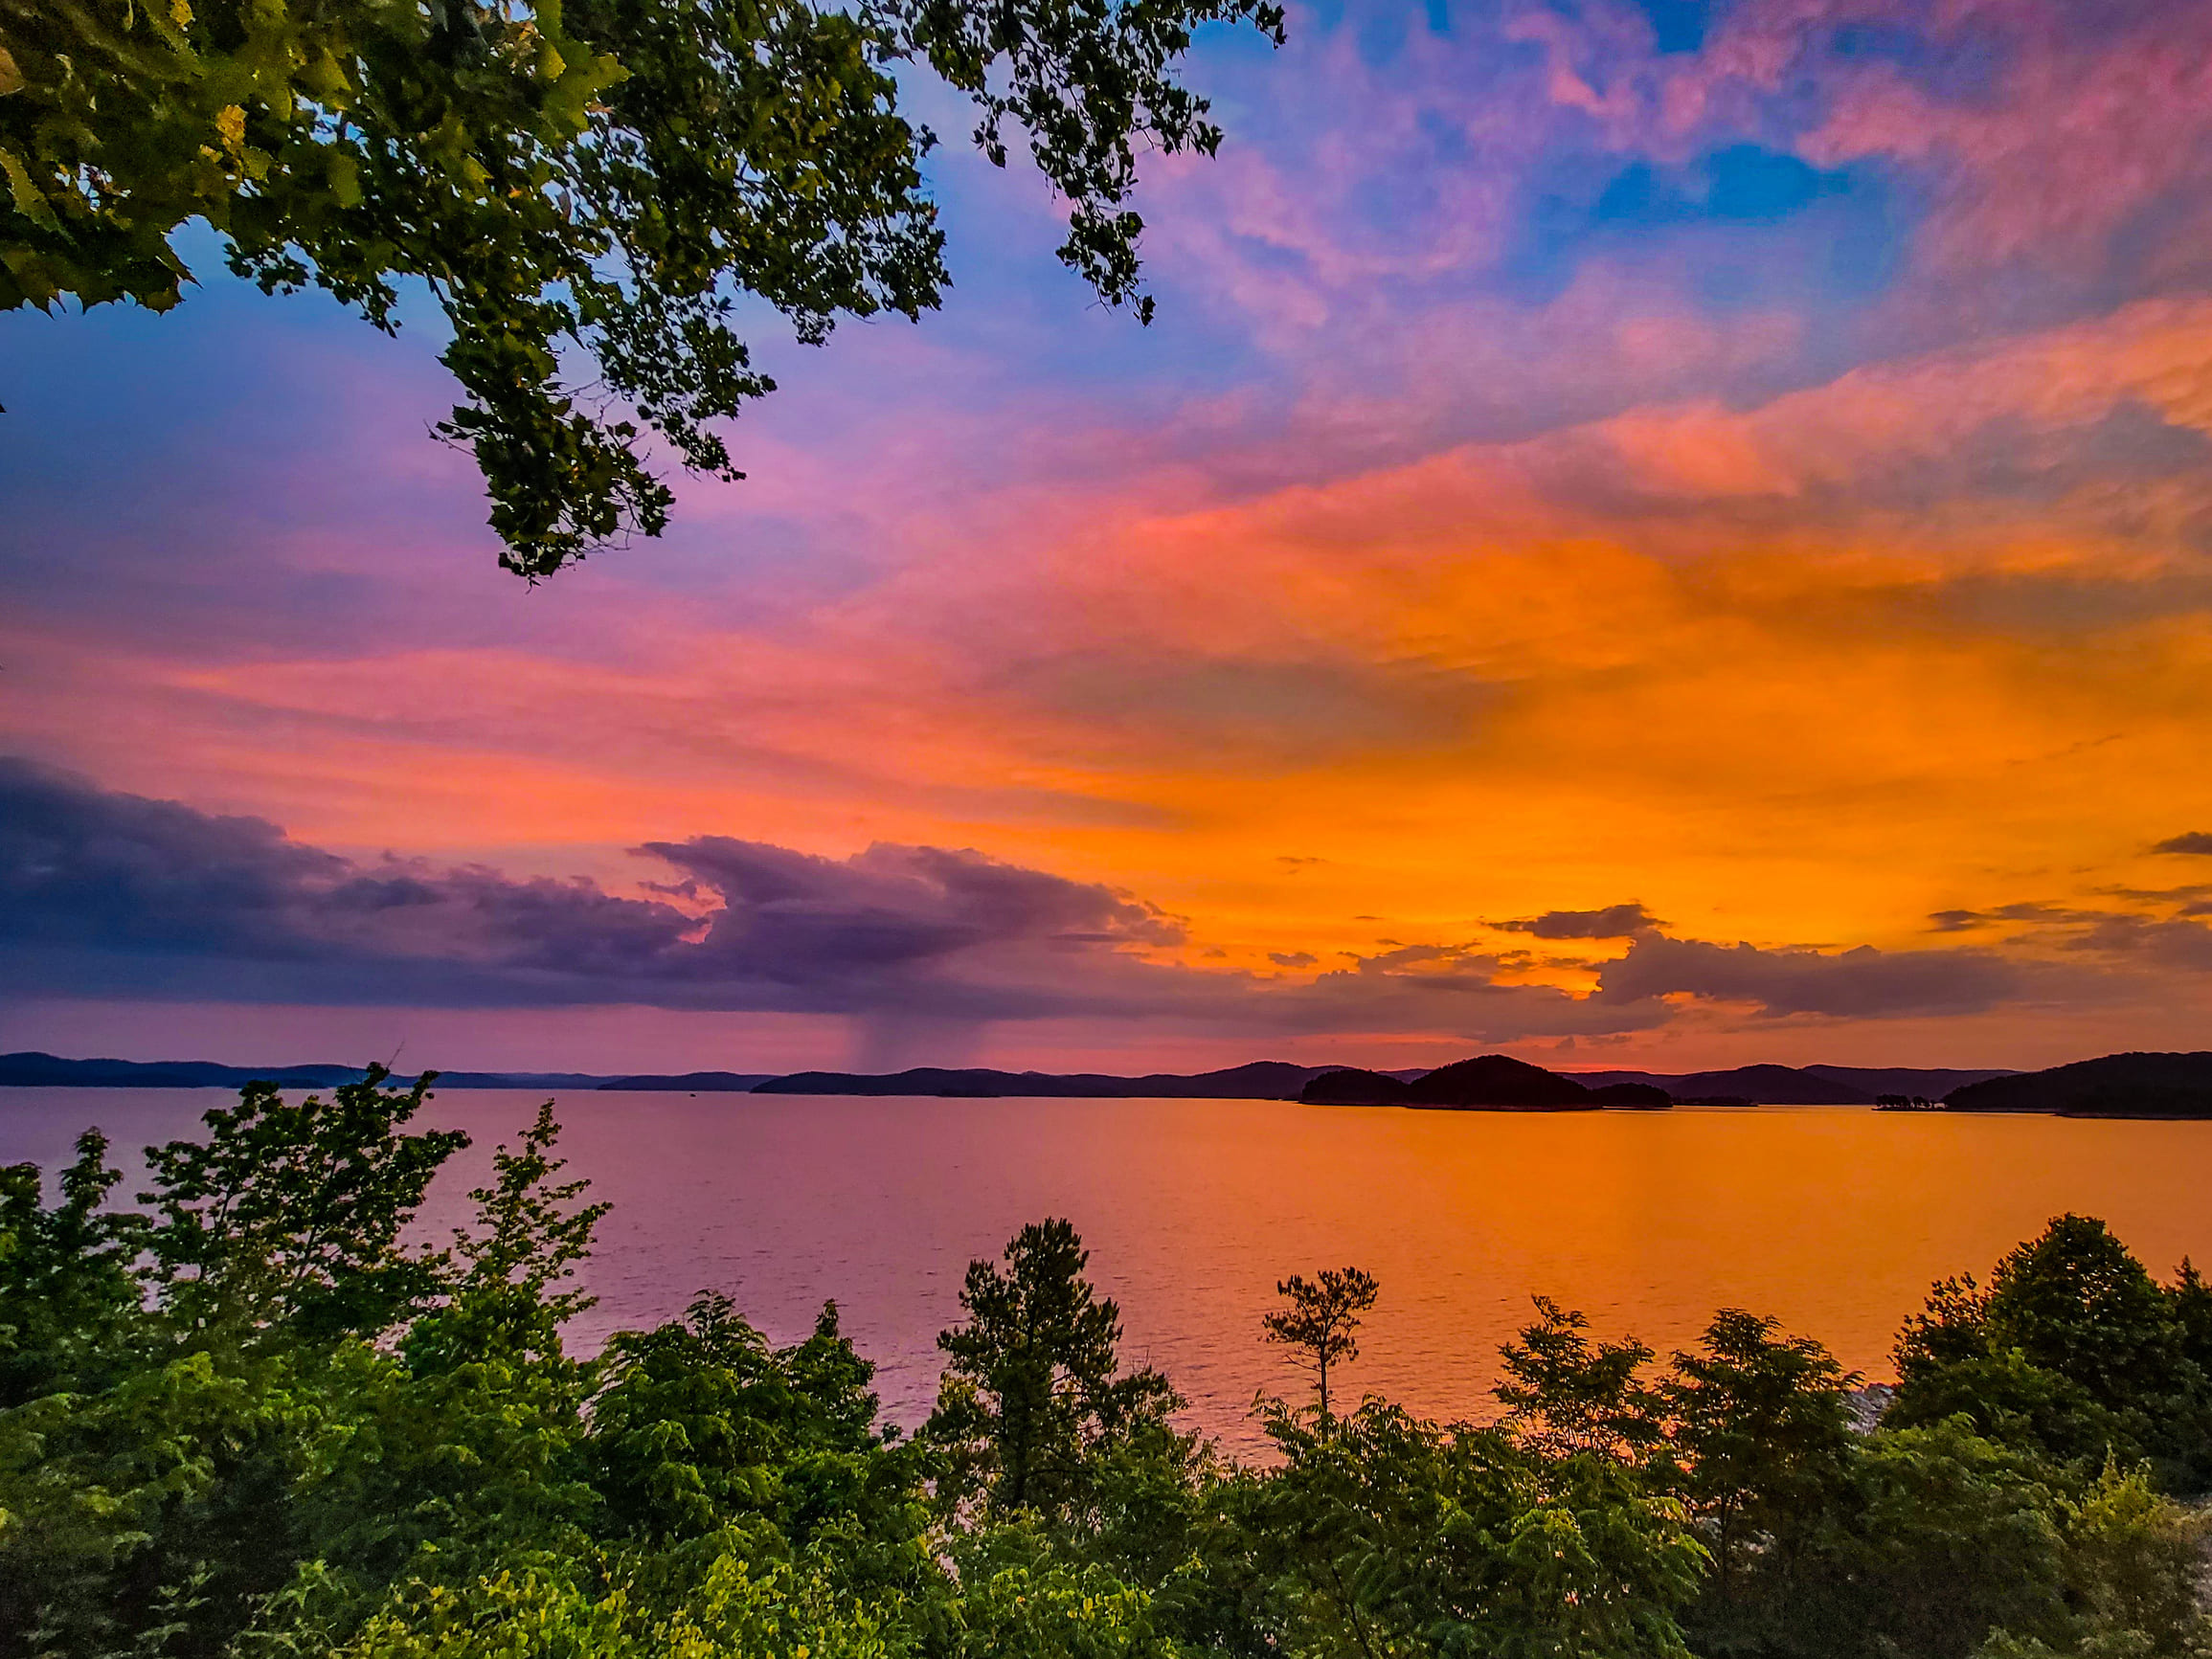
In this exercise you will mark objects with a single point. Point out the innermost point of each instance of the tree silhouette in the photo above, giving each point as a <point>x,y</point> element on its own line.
<point>594,193</point>
<point>1321,1319</point>
<point>1033,1389</point>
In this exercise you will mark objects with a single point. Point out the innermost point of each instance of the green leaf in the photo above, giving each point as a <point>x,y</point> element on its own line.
<point>25,193</point>
<point>345,179</point>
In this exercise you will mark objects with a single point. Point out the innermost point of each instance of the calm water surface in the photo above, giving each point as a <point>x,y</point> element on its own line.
<point>1834,1218</point>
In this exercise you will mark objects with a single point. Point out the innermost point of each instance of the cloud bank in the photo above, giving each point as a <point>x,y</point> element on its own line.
<point>113,896</point>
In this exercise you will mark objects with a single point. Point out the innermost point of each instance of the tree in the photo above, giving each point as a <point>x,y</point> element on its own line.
<point>703,1422</point>
<point>1565,1394</point>
<point>1032,1393</point>
<point>2132,1566</point>
<point>289,1215</point>
<point>72,1310</point>
<point>1937,1536</point>
<point>2072,1350</point>
<point>530,1231</point>
<point>603,180</point>
<point>1388,1536</point>
<point>2072,1300</point>
<point>280,1403</point>
<point>1762,1430</point>
<point>2191,1305</point>
<point>1323,1320</point>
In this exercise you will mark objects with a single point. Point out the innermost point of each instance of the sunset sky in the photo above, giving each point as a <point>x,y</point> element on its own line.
<point>1652,535</point>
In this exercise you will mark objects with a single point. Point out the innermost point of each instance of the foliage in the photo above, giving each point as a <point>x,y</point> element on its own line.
<point>150,1513</point>
<point>1032,1392</point>
<point>1020,1594</point>
<point>1824,1543</point>
<point>1322,1324</point>
<point>605,180</point>
<point>1938,1536</point>
<point>2073,1301</point>
<point>288,1217</point>
<point>2130,1569</point>
<point>72,1310</point>
<point>735,1612</point>
<point>1565,1394</point>
<point>306,1399</point>
<point>1387,1534</point>
<point>261,1419</point>
<point>702,1427</point>
<point>530,1231</point>
<point>1760,1436</point>
<point>2073,1351</point>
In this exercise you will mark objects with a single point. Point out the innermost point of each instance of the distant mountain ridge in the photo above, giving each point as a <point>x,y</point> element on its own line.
<point>2149,1085</point>
<point>32,1069</point>
<point>689,1082</point>
<point>1260,1079</point>
<point>1800,1085</point>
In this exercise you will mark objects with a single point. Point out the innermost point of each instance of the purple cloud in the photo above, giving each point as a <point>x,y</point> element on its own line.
<point>1613,922</point>
<point>1857,984</point>
<point>114,897</point>
<point>107,895</point>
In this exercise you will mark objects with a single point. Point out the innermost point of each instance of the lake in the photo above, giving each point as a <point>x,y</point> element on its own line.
<point>1833,1218</point>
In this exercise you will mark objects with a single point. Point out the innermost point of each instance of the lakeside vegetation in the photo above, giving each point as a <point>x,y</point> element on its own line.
<point>256,1415</point>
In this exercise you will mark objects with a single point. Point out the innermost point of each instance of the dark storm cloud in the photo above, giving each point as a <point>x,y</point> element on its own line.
<point>1452,989</point>
<point>106,895</point>
<point>1955,921</point>
<point>2034,913</point>
<point>1863,983</point>
<point>2193,841</point>
<point>2178,941</point>
<point>95,885</point>
<point>2126,940</point>
<point>115,897</point>
<point>889,905</point>
<point>1613,922</point>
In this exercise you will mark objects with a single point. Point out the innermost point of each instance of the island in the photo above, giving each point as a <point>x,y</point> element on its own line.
<point>1486,1082</point>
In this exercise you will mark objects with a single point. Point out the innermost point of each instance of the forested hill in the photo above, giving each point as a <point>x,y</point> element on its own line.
<point>2116,1086</point>
<point>1488,1081</point>
<point>36,1071</point>
<point>1261,1080</point>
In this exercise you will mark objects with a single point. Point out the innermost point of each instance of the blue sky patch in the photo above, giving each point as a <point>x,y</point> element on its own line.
<point>1678,25</point>
<point>1746,215</point>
